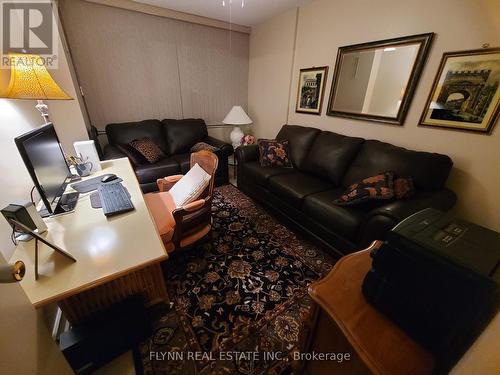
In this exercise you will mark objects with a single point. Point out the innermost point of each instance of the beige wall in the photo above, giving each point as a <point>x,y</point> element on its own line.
<point>271,60</point>
<point>325,25</point>
<point>18,117</point>
<point>134,66</point>
<point>26,346</point>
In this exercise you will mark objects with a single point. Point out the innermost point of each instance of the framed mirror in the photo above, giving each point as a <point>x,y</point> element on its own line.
<point>375,81</point>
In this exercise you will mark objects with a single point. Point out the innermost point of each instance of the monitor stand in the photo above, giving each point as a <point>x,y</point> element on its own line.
<point>66,204</point>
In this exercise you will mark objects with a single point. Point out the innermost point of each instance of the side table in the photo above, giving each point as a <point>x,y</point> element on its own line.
<point>345,322</point>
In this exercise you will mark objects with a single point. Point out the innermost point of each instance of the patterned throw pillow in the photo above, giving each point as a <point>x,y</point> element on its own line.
<point>403,187</point>
<point>273,153</point>
<point>203,146</point>
<point>147,148</point>
<point>376,187</point>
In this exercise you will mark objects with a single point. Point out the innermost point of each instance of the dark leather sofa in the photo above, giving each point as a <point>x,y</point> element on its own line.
<point>324,164</point>
<point>175,138</point>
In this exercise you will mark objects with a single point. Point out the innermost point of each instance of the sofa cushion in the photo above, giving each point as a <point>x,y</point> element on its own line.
<point>293,187</point>
<point>152,172</point>
<point>330,155</point>
<point>301,139</point>
<point>342,220</point>
<point>134,156</point>
<point>184,161</point>
<point>181,135</point>
<point>429,171</point>
<point>257,174</point>
<point>126,132</point>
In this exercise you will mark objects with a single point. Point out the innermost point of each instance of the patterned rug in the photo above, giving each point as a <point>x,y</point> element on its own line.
<point>243,290</point>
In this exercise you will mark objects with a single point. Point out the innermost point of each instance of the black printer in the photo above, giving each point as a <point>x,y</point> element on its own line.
<point>437,277</point>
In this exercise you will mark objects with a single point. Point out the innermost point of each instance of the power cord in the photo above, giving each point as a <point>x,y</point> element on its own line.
<point>31,195</point>
<point>13,236</point>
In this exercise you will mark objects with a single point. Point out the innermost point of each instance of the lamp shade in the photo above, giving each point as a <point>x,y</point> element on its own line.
<point>29,79</point>
<point>237,116</point>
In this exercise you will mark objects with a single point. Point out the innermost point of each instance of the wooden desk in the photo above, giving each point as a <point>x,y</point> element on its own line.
<point>378,346</point>
<point>116,256</point>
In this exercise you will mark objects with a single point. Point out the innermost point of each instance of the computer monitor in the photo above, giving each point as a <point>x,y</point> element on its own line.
<point>44,158</point>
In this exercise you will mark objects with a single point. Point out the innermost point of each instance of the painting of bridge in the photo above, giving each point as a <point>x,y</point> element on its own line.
<point>466,91</point>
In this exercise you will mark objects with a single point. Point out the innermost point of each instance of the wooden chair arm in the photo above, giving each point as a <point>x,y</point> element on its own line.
<point>194,206</point>
<point>166,183</point>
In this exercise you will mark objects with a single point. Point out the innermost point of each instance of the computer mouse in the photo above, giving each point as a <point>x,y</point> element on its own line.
<point>108,178</point>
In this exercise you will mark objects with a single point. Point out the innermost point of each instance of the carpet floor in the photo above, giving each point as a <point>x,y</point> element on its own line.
<point>243,290</point>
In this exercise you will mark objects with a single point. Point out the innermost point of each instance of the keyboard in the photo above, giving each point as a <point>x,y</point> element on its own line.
<point>114,199</point>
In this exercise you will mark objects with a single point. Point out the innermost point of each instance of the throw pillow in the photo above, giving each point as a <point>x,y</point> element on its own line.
<point>273,153</point>
<point>147,148</point>
<point>376,187</point>
<point>190,186</point>
<point>403,187</point>
<point>203,146</point>
<point>134,156</point>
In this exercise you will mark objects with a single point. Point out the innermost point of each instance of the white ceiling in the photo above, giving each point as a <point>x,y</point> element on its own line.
<point>251,13</point>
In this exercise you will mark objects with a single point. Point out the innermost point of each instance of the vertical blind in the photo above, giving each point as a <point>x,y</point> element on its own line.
<point>134,66</point>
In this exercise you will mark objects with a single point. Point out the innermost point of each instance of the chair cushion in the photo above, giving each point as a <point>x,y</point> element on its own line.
<point>293,187</point>
<point>126,132</point>
<point>181,135</point>
<point>161,206</point>
<point>330,155</point>
<point>301,139</point>
<point>429,171</point>
<point>190,186</point>
<point>342,220</point>
<point>152,172</point>
<point>184,161</point>
<point>260,175</point>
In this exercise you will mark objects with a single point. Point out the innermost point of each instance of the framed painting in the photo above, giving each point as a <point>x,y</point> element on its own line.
<point>311,90</point>
<point>465,94</point>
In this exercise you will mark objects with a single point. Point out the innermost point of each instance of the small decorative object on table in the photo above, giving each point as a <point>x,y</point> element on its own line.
<point>83,167</point>
<point>237,117</point>
<point>247,140</point>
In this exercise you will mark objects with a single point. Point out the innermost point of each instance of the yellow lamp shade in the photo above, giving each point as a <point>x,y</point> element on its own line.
<point>29,79</point>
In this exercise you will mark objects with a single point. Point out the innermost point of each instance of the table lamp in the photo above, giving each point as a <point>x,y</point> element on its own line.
<point>29,79</point>
<point>237,117</point>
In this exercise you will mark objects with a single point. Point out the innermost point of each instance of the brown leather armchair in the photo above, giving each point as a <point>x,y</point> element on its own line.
<point>182,227</point>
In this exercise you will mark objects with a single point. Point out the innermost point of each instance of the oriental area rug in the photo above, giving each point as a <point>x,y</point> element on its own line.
<point>243,291</point>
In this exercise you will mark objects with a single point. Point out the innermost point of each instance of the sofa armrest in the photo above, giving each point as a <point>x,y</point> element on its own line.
<point>248,153</point>
<point>225,149</point>
<point>399,210</point>
<point>381,220</point>
<point>111,152</point>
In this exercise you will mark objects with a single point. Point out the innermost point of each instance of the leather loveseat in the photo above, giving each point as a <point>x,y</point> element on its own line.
<point>324,164</point>
<point>175,138</point>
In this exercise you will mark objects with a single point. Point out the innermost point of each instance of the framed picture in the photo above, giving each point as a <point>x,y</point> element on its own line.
<point>465,94</point>
<point>311,90</point>
<point>375,81</point>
